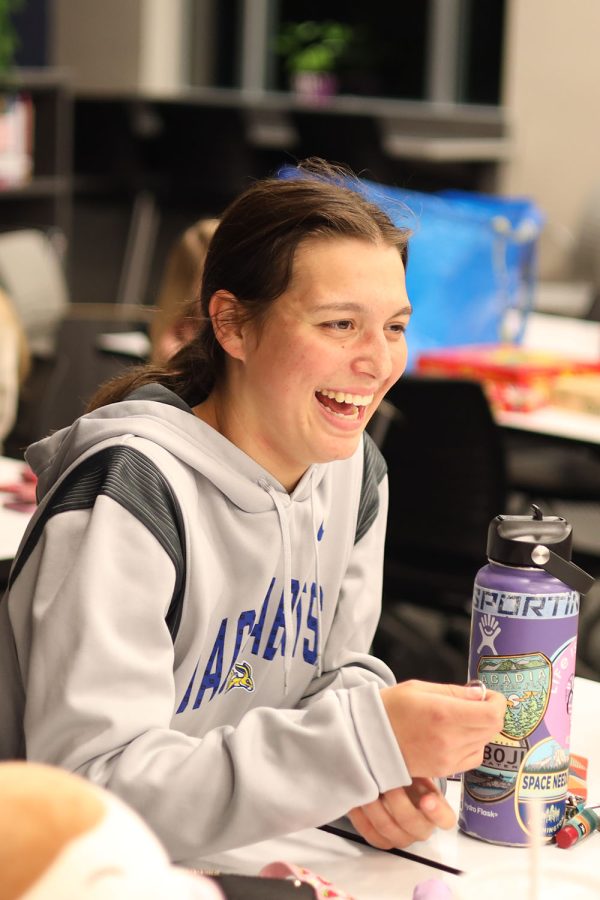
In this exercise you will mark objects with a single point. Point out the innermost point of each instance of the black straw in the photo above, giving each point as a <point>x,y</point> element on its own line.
<point>350,836</point>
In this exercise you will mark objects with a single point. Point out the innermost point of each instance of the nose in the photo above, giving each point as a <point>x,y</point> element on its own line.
<point>374,356</point>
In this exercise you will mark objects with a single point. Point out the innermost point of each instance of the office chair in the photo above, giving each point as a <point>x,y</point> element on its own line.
<point>31,274</point>
<point>545,472</point>
<point>447,481</point>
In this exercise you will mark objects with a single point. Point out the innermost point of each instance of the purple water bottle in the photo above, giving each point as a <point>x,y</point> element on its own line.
<point>523,644</point>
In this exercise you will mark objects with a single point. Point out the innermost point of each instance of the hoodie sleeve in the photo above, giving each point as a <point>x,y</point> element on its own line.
<point>96,658</point>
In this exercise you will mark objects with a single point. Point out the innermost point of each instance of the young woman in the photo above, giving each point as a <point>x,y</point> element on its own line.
<point>191,610</point>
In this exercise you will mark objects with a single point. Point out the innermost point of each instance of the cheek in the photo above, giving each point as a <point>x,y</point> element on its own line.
<point>301,363</point>
<point>403,358</point>
<point>289,374</point>
<point>399,360</point>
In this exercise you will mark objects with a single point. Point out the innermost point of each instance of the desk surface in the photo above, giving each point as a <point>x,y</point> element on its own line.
<point>554,422</point>
<point>369,874</point>
<point>578,339</point>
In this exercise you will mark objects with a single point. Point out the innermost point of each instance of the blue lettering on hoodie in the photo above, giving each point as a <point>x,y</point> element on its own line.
<point>275,641</point>
<point>309,651</point>
<point>297,605</point>
<point>214,678</point>
<point>214,667</point>
<point>186,697</point>
<point>257,631</point>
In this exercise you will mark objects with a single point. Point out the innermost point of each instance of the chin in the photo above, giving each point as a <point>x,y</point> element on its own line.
<point>342,449</point>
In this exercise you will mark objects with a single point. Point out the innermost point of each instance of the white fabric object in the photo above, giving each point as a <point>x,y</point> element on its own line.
<point>32,275</point>
<point>119,859</point>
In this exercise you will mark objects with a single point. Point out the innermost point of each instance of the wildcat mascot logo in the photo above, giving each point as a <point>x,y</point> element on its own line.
<point>240,677</point>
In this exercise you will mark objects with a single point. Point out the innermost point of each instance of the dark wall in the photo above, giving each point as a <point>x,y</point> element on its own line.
<point>31,24</point>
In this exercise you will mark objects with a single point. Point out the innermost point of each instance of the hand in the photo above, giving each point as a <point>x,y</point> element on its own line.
<point>403,815</point>
<point>442,728</point>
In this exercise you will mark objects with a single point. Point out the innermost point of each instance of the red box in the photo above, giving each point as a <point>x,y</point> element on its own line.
<point>514,378</point>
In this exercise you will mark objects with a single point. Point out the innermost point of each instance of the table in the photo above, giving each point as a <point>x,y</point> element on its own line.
<point>12,523</point>
<point>370,874</point>
<point>580,340</point>
<point>553,422</point>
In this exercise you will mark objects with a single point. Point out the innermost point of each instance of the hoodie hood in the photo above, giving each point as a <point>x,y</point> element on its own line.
<point>156,413</point>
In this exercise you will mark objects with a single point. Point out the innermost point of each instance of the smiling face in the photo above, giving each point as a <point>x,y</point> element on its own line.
<point>300,388</point>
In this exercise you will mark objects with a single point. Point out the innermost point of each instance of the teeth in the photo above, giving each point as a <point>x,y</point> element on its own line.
<point>350,415</point>
<point>354,399</point>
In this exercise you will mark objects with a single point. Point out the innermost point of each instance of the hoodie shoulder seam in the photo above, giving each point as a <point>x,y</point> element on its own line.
<point>374,471</point>
<point>134,481</point>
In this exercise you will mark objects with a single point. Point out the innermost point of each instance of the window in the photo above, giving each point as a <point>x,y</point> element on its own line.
<point>438,50</point>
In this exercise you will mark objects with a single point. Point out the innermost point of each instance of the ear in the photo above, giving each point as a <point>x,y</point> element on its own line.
<point>224,312</point>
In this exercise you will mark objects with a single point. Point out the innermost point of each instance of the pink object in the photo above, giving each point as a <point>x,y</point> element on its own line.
<point>315,87</point>
<point>432,889</point>
<point>322,888</point>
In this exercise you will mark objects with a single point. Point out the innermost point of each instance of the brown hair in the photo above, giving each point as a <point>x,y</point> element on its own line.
<point>177,311</point>
<point>251,256</point>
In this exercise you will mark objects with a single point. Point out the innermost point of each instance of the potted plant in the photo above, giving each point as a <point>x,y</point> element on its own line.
<point>9,40</point>
<point>312,52</point>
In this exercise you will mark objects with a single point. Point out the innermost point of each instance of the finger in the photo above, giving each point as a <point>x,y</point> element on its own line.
<point>395,818</point>
<point>366,829</point>
<point>429,800</point>
<point>464,692</point>
<point>457,691</point>
<point>438,811</point>
<point>409,822</point>
<point>469,691</point>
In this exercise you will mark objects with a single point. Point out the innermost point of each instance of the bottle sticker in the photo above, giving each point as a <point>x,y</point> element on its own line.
<point>543,777</point>
<point>496,777</point>
<point>558,714</point>
<point>526,681</point>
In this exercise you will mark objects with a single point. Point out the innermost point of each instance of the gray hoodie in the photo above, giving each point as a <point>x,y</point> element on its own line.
<point>183,631</point>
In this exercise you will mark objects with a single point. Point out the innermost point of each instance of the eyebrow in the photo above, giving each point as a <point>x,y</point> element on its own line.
<point>357,307</point>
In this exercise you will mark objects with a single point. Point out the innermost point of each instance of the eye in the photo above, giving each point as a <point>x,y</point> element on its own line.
<point>339,325</point>
<point>398,327</point>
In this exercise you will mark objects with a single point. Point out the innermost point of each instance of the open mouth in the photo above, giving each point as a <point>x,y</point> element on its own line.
<point>344,405</point>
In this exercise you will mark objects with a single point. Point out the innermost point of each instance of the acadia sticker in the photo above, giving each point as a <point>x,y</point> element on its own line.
<point>525,680</point>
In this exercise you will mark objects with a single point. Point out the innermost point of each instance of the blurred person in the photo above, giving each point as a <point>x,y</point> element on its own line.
<point>14,364</point>
<point>176,321</point>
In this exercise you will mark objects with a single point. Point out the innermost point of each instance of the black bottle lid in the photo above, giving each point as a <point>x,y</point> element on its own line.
<point>537,541</point>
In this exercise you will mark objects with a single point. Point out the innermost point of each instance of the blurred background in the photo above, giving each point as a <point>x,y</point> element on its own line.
<point>188,99</point>
<point>124,122</point>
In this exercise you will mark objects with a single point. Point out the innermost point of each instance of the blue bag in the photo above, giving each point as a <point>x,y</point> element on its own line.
<point>471,263</point>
